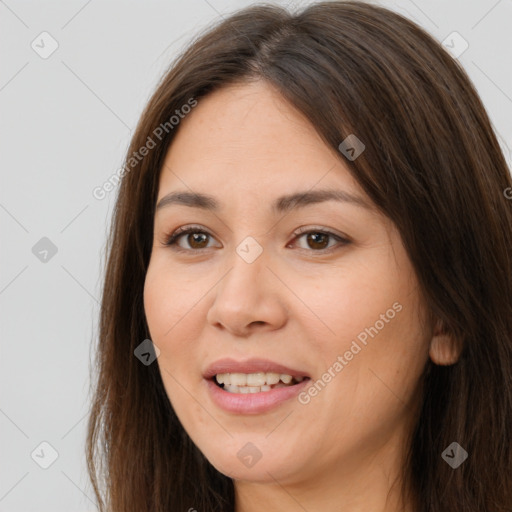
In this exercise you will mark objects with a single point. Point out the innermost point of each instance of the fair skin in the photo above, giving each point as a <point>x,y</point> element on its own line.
<point>300,303</point>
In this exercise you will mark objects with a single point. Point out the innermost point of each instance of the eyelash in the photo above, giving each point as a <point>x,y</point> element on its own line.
<point>170,240</point>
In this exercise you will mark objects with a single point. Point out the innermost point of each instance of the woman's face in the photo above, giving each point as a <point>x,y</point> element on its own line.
<point>337,302</point>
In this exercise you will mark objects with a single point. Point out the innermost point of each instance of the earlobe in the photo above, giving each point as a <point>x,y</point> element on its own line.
<point>444,349</point>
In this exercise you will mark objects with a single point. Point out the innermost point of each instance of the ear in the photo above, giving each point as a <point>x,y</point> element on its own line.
<point>444,349</point>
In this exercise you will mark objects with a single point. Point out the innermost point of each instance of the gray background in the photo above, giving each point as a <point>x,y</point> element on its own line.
<point>65,125</point>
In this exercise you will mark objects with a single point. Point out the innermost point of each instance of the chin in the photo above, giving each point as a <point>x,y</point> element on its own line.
<point>242,459</point>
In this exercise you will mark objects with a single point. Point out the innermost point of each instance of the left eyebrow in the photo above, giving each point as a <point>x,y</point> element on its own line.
<point>281,205</point>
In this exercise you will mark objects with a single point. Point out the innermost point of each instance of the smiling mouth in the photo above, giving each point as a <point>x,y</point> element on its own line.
<point>255,382</point>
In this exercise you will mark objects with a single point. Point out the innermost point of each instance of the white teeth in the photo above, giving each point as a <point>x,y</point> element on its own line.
<point>254,382</point>
<point>252,389</point>
<point>256,379</point>
<point>246,389</point>
<point>238,379</point>
<point>273,378</point>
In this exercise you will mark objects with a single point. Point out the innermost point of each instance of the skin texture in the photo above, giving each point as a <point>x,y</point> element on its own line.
<point>300,303</point>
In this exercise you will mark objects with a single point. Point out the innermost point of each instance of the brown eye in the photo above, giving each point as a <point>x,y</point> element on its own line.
<point>195,237</point>
<point>318,241</point>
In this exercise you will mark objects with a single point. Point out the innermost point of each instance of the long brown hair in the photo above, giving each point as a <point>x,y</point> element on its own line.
<point>432,164</point>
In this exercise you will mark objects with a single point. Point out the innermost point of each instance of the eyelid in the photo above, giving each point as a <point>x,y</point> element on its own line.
<point>171,239</point>
<point>320,229</point>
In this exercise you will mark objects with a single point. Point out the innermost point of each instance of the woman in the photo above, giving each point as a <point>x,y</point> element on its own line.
<point>308,293</point>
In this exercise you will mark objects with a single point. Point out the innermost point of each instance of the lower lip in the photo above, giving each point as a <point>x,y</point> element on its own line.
<point>253,403</point>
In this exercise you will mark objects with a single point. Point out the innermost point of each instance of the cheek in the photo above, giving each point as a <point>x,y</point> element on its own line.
<point>175,315</point>
<point>166,307</point>
<point>168,300</point>
<point>342,302</point>
<point>371,316</point>
<point>393,350</point>
<point>372,390</point>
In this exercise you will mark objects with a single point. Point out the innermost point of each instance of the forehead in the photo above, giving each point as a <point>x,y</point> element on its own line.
<point>246,139</point>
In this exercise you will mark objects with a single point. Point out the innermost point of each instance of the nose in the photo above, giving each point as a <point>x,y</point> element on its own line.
<point>248,298</point>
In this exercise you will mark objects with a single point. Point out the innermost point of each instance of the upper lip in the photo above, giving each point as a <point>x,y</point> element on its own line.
<point>228,365</point>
